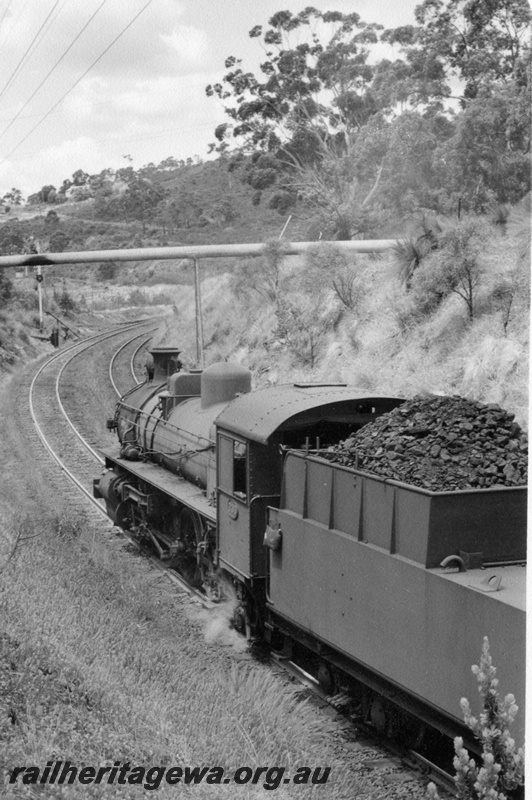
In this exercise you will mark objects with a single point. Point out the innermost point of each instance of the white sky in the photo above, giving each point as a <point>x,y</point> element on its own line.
<point>145,97</point>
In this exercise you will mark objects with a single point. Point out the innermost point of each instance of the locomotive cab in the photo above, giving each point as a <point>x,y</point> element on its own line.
<point>253,435</point>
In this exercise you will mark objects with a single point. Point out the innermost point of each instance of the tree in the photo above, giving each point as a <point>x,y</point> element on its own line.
<point>475,42</point>
<point>46,194</point>
<point>58,242</point>
<point>294,138</point>
<point>488,157</point>
<point>65,186</point>
<point>80,177</point>
<point>141,199</point>
<point>52,219</point>
<point>331,133</point>
<point>168,164</point>
<point>14,197</point>
<point>11,241</point>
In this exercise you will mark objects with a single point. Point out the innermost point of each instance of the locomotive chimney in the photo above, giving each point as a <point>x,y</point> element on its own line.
<point>165,363</point>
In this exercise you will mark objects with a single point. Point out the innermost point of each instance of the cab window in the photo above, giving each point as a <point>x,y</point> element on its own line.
<point>232,464</point>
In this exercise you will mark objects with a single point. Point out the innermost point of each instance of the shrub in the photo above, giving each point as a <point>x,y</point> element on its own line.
<point>65,301</point>
<point>6,288</point>
<point>303,323</point>
<point>503,765</point>
<point>107,271</point>
<point>455,267</point>
<point>326,268</point>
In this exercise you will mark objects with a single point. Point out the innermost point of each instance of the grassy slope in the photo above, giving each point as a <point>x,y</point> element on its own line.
<point>382,344</point>
<point>100,661</point>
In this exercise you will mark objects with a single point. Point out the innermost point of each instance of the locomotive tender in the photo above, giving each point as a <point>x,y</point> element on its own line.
<point>383,589</point>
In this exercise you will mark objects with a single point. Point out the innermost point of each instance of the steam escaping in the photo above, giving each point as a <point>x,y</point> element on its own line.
<point>217,621</point>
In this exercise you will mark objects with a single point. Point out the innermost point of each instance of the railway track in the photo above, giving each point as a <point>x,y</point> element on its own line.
<point>76,458</point>
<point>125,365</point>
<point>58,424</point>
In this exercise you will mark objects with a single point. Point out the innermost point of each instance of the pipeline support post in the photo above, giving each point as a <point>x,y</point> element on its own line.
<point>199,315</point>
<point>39,292</point>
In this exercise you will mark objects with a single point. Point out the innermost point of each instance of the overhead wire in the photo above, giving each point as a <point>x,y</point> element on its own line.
<point>28,49</point>
<point>4,15</point>
<point>40,34</point>
<point>50,71</point>
<point>102,54</point>
<point>10,29</point>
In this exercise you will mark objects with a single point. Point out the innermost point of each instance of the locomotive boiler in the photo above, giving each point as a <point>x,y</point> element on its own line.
<point>382,590</point>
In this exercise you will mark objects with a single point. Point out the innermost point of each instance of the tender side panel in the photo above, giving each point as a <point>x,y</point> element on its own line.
<point>409,624</point>
<point>412,522</point>
<point>369,510</point>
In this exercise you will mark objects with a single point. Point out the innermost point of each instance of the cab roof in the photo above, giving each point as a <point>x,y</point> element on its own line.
<point>258,414</point>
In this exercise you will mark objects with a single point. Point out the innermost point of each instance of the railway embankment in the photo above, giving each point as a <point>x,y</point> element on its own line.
<point>100,661</point>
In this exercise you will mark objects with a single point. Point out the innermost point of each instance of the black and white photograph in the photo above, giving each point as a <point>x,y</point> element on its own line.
<point>264,398</point>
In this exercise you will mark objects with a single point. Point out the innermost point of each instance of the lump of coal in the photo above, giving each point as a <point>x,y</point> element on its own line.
<point>441,444</point>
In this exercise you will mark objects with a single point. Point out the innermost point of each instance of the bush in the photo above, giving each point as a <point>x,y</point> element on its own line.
<point>6,288</point>
<point>503,764</point>
<point>455,267</point>
<point>107,271</point>
<point>66,302</point>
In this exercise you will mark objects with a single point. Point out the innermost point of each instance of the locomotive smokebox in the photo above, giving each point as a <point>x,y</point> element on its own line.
<point>222,382</point>
<point>164,361</point>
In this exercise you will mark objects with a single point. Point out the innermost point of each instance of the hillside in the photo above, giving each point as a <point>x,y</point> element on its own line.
<point>320,318</point>
<point>327,319</point>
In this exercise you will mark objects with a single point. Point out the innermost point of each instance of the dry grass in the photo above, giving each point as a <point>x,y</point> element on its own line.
<point>387,344</point>
<point>111,667</point>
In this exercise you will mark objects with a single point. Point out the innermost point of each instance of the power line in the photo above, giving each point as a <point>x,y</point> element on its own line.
<point>122,140</point>
<point>28,49</point>
<point>78,81</point>
<point>40,34</point>
<point>4,14</point>
<point>72,43</point>
<point>10,30</point>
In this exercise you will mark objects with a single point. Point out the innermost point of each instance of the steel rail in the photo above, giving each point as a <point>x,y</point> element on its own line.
<point>100,338</point>
<point>171,576</point>
<point>408,756</point>
<point>133,357</point>
<point>187,252</point>
<point>81,346</point>
<point>117,353</point>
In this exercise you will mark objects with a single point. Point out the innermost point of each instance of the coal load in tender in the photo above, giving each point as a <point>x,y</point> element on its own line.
<point>441,444</point>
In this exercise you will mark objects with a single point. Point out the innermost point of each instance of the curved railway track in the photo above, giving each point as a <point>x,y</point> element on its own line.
<point>53,423</point>
<point>132,372</point>
<point>77,459</point>
<point>73,454</point>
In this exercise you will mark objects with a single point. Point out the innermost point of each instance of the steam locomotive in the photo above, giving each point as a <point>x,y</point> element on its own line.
<point>384,591</point>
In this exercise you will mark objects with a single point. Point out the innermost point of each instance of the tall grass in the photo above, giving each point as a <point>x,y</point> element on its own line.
<point>112,667</point>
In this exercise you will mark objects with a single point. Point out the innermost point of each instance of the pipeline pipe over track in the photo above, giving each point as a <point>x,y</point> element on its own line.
<point>184,252</point>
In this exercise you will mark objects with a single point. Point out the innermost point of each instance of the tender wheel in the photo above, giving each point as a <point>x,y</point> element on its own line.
<point>379,715</point>
<point>326,678</point>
